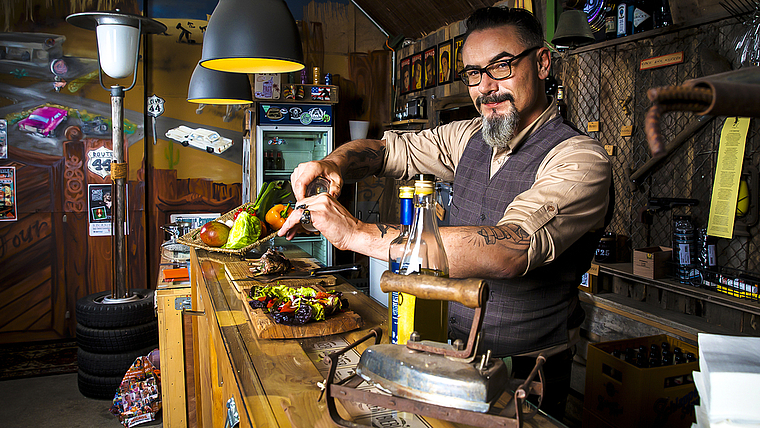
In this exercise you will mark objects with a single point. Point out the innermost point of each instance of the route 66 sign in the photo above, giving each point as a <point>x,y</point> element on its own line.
<point>99,161</point>
<point>155,106</point>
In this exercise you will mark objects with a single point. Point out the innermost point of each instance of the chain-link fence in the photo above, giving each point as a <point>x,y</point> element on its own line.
<point>606,85</point>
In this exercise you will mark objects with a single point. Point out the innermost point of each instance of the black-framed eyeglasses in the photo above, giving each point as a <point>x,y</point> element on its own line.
<point>498,70</point>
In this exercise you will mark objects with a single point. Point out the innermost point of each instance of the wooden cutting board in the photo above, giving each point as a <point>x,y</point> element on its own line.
<point>266,328</point>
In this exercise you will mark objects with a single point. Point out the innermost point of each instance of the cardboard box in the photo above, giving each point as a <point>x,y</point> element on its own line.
<point>590,280</point>
<point>651,262</point>
<point>621,395</point>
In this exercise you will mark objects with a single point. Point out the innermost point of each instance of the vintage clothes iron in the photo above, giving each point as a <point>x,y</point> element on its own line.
<point>449,382</point>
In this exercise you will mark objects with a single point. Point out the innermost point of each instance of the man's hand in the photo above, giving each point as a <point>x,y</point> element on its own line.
<point>306,172</point>
<point>328,216</point>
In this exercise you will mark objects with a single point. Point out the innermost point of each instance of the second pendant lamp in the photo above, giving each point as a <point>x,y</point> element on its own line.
<point>245,36</point>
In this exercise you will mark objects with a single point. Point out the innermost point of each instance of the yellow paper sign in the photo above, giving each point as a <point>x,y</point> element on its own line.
<point>728,173</point>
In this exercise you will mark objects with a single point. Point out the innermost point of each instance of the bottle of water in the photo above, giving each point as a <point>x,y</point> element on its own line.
<point>684,250</point>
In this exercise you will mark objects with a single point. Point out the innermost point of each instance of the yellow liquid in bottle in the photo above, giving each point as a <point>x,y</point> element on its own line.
<point>429,318</point>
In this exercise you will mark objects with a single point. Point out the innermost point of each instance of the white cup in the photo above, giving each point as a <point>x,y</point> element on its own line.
<point>358,129</point>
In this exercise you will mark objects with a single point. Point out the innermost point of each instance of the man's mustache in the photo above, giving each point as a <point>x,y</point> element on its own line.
<point>494,98</point>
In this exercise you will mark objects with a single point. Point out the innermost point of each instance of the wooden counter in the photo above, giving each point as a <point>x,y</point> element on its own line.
<point>273,382</point>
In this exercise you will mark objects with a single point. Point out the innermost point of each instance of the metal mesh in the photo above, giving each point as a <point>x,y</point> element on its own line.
<point>602,84</point>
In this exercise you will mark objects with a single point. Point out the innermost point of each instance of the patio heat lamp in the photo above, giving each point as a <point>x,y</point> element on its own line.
<point>118,36</point>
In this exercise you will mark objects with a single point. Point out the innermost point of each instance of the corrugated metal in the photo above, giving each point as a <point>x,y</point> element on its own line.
<point>415,19</point>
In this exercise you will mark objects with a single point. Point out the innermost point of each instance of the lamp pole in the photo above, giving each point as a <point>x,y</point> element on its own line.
<point>118,36</point>
<point>119,172</point>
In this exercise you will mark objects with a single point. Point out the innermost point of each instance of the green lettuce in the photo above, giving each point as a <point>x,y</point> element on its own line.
<point>245,231</point>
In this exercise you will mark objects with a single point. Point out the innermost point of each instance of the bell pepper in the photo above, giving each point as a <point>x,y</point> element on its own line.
<point>277,215</point>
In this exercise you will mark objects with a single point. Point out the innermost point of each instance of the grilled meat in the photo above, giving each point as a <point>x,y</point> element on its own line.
<point>273,261</point>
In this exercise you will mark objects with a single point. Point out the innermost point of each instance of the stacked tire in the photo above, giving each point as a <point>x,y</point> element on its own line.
<point>110,336</point>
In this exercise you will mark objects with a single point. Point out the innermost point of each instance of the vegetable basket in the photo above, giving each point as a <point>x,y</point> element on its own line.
<point>193,238</point>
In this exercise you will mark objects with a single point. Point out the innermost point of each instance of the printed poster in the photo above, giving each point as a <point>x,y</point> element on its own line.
<point>728,171</point>
<point>8,210</point>
<point>99,204</point>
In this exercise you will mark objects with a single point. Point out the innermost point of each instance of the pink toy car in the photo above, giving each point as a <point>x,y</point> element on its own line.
<point>43,121</point>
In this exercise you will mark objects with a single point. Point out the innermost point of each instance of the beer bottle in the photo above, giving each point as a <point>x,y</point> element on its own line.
<point>561,105</point>
<point>643,16</point>
<point>610,21</point>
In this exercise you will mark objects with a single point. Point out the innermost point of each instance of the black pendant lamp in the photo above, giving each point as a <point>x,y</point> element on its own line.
<point>573,29</point>
<point>246,36</point>
<point>219,87</point>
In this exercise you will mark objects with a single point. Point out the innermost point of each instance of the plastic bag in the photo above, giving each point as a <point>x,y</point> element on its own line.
<point>138,399</point>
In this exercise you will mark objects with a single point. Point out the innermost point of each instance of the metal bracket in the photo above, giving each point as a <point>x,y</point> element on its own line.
<point>183,303</point>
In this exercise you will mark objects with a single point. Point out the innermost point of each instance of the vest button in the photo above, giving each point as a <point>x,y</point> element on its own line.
<point>482,217</point>
<point>453,320</point>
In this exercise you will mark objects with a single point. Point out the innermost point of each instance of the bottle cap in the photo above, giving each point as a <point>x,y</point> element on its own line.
<point>424,177</point>
<point>424,187</point>
<point>406,192</point>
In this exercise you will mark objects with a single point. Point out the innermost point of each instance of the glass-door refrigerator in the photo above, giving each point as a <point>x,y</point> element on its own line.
<point>287,135</point>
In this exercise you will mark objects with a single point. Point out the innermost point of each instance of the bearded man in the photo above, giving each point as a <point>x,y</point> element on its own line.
<point>531,196</point>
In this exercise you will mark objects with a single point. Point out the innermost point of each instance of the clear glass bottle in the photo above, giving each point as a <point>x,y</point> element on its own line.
<point>424,255</point>
<point>395,252</point>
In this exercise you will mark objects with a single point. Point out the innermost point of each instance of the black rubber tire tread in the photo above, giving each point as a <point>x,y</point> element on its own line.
<point>117,340</point>
<point>107,365</point>
<point>92,313</point>
<point>98,387</point>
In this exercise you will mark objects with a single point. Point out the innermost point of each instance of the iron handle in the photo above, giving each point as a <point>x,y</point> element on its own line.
<point>470,292</point>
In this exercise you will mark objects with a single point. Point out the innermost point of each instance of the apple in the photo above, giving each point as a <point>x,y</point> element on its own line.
<point>214,233</point>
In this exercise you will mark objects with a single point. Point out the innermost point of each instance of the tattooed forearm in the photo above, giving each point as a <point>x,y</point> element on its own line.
<point>360,161</point>
<point>385,228</point>
<point>511,235</point>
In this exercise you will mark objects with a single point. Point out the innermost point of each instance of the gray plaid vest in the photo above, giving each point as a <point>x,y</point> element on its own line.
<point>531,312</point>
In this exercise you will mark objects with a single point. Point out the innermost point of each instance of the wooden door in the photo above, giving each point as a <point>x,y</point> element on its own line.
<point>32,278</point>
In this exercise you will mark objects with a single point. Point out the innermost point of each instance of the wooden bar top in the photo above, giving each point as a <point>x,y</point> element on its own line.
<point>279,379</point>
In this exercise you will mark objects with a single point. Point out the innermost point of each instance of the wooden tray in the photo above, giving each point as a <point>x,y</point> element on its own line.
<point>266,328</point>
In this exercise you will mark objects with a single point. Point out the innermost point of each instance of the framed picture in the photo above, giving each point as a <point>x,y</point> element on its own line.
<point>457,58</point>
<point>418,79</point>
<point>445,74</point>
<point>405,78</point>
<point>430,57</point>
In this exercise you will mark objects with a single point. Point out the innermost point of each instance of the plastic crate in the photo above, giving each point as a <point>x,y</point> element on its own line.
<point>621,395</point>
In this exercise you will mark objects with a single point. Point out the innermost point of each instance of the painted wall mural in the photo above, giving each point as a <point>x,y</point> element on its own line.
<point>56,148</point>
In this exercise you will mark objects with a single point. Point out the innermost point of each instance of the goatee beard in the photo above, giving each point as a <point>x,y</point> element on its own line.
<point>498,129</point>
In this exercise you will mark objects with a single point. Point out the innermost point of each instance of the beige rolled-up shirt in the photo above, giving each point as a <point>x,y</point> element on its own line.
<point>568,198</point>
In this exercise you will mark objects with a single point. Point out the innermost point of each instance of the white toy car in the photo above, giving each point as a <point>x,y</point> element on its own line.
<point>201,138</point>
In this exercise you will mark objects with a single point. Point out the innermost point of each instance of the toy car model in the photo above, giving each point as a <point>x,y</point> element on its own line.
<point>201,138</point>
<point>44,121</point>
